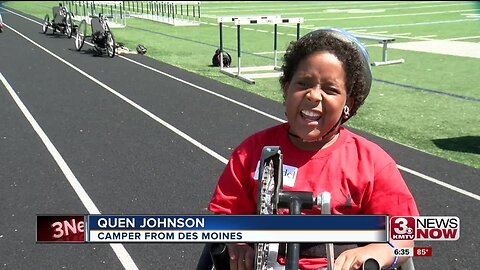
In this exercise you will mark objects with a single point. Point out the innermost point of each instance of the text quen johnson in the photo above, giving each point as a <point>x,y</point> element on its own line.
<point>156,222</point>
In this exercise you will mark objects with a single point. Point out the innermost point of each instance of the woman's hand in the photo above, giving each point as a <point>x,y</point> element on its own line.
<point>242,256</point>
<point>353,259</point>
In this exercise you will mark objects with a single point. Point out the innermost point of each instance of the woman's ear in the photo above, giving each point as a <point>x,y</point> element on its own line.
<point>350,102</point>
<point>346,109</point>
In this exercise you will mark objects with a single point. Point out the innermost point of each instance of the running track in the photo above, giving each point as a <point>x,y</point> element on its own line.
<point>83,134</point>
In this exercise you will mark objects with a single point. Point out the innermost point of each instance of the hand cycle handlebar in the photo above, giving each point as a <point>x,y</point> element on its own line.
<point>271,198</point>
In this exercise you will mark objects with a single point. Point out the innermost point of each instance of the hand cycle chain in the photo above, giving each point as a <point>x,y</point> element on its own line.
<point>266,208</point>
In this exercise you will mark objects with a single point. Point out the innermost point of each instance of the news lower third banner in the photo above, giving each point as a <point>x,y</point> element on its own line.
<point>213,228</point>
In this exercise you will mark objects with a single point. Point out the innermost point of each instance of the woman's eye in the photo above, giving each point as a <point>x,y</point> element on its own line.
<point>330,90</point>
<point>302,84</point>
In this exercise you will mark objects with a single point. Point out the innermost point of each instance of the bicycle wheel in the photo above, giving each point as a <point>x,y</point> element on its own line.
<point>45,24</point>
<point>80,37</point>
<point>69,25</point>
<point>110,46</point>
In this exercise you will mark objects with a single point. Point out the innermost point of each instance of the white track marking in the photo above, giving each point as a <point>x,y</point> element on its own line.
<point>82,194</point>
<point>119,249</point>
<point>206,90</point>
<point>438,182</point>
<point>209,151</point>
<point>129,101</point>
<point>122,254</point>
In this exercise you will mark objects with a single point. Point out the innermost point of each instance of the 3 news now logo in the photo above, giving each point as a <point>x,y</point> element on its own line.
<point>425,228</point>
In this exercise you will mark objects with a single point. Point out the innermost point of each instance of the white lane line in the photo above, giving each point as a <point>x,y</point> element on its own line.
<point>205,90</point>
<point>129,101</point>
<point>175,78</point>
<point>211,152</point>
<point>119,249</point>
<point>438,182</point>
<point>418,174</point>
<point>77,187</point>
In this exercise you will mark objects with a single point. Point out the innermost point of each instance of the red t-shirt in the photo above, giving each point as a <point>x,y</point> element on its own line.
<point>360,176</point>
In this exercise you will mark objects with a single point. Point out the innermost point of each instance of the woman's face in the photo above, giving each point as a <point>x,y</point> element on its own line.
<point>316,95</point>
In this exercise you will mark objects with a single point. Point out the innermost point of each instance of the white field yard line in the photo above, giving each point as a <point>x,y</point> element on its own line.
<point>412,24</point>
<point>207,150</point>
<point>402,34</point>
<point>378,33</point>
<point>394,15</point>
<point>463,38</point>
<point>445,47</point>
<point>271,52</point>
<point>311,27</point>
<point>426,37</point>
<point>321,7</point>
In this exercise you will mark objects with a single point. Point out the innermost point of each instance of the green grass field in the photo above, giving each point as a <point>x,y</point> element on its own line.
<point>402,105</point>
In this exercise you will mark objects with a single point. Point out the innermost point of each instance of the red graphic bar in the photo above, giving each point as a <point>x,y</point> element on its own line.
<point>60,229</point>
<point>422,251</point>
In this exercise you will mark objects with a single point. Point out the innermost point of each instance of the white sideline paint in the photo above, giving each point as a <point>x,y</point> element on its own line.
<point>209,151</point>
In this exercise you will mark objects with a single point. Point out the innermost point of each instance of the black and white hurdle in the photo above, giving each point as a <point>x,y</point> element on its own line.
<point>239,71</point>
<point>384,41</point>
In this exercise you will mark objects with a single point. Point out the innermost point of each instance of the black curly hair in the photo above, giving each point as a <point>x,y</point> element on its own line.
<point>346,48</point>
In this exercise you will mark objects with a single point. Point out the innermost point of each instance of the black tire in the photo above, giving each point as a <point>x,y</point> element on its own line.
<point>46,24</point>
<point>110,44</point>
<point>69,25</point>
<point>80,37</point>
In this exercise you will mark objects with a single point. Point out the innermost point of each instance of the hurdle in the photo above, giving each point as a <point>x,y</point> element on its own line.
<point>176,13</point>
<point>114,10</point>
<point>384,41</point>
<point>238,72</point>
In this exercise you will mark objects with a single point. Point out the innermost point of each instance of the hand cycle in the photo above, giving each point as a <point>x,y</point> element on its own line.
<point>271,198</point>
<point>61,22</point>
<point>102,37</point>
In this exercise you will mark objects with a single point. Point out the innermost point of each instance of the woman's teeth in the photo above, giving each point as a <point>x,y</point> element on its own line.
<point>311,115</point>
